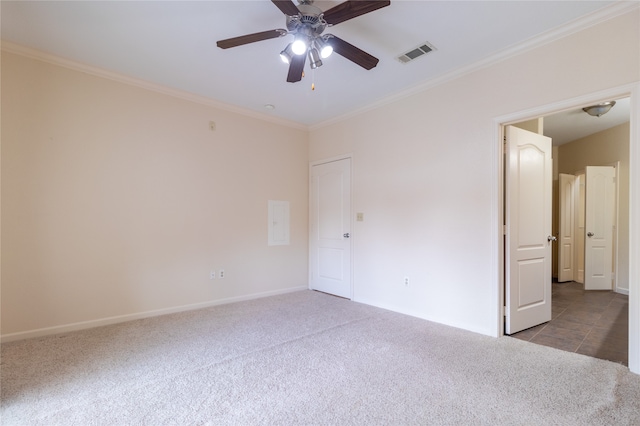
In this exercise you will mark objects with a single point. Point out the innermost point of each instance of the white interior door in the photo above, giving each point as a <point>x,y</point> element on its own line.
<point>580,232</point>
<point>566,227</point>
<point>528,169</point>
<point>330,227</point>
<point>598,253</point>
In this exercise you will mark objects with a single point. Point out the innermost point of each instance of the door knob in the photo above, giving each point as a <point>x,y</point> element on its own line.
<point>346,235</point>
<point>590,234</point>
<point>551,238</point>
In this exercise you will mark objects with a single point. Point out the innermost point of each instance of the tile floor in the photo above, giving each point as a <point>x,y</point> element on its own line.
<point>594,323</point>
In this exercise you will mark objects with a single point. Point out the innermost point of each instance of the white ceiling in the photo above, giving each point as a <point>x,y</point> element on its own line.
<point>173,44</point>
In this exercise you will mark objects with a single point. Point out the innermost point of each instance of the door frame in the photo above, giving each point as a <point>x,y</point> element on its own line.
<point>351,238</point>
<point>616,233</point>
<point>633,92</point>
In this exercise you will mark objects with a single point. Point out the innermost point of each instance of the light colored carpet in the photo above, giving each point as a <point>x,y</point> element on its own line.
<point>305,358</point>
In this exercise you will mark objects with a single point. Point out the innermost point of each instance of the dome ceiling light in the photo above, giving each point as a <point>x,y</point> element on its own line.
<point>599,109</point>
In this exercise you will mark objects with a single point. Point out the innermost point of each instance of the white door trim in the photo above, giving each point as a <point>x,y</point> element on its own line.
<point>331,160</point>
<point>351,252</point>
<point>630,90</point>
<point>616,233</point>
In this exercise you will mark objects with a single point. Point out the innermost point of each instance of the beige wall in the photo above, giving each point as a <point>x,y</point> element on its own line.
<point>118,201</point>
<point>605,149</point>
<point>536,125</point>
<point>425,177</point>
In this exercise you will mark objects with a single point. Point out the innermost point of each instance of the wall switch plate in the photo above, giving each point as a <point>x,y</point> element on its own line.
<point>212,275</point>
<point>221,273</point>
<point>406,281</point>
<point>359,217</point>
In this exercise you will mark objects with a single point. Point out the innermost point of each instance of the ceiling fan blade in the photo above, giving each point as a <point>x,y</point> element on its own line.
<point>286,6</point>
<point>352,9</point>
<point>250,38</point>
<point>296,68</point>
<point>352,53</point>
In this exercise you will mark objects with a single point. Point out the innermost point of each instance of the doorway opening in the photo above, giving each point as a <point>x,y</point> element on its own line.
<point>622,295</point>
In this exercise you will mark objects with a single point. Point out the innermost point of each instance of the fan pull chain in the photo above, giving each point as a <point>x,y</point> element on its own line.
<point>313,80</point>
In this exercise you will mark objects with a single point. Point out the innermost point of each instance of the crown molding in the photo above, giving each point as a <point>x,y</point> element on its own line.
<point>612,11</point>
<point>607,13</point>
<point>39,55</point>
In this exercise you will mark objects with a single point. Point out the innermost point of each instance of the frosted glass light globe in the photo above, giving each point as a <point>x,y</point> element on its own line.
<point>299,47</point>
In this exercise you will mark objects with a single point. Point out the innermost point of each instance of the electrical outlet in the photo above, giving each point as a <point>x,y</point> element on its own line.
<point>406,281</point>
<point>221,273</point>
<point>212,275</point>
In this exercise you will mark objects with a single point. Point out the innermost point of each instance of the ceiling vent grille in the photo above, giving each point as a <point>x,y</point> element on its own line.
<point>419,51</point>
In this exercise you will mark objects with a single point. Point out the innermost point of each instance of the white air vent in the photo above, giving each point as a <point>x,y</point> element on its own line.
<point>419,51</point>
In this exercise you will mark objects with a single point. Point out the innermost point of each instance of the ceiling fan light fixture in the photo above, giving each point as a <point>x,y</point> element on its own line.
<point>287,54</point>
<point>324,46</point>
<point>314,58</point>
<point>300,45</point>
<point>599,109</point>
<point>306,23</point>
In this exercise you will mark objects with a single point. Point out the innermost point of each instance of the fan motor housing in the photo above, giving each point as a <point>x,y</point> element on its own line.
<point>309,21</point>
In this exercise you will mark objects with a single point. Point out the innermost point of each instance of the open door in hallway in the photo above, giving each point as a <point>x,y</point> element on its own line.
<point>528,197</point>
<point>330,227</point>
<point>566,227</point>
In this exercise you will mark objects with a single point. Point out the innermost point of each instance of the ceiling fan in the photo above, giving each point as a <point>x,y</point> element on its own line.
<point>307,23</point>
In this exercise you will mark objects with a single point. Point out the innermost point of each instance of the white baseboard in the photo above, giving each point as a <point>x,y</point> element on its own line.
<point>468,327</point>
<point>47,331</point>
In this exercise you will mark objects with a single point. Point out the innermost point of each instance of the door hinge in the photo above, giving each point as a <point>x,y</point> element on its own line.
<point>504,311</point>
<point>504,229</point>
